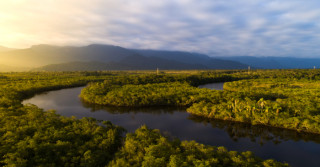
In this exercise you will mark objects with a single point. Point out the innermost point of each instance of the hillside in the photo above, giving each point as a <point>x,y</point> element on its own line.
<point>68,58</point>
<point>145,63</point>
<point>276,62</point>
<point>41,55</point>
<point>62,58</point>
<point>4,49</point>
<point>130,63</point>
<point>193,58</point>
<point>82,66</point>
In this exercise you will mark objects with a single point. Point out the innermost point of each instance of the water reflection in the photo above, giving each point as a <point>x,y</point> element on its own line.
<point>298,149</point>
<point>236,130</point>
<point>122,110</point>
<point>256,133</point>
<point>215,86</point>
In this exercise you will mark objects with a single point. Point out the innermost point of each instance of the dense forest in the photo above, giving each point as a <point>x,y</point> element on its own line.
<point>30,136</point>
<point>279,98</point>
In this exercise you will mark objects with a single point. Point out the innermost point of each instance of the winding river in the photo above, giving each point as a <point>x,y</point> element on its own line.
<point>298,149</point>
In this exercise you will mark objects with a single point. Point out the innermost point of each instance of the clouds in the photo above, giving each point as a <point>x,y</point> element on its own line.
<point>238,27</point>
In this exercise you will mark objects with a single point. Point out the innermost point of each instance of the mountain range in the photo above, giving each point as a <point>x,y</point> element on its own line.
<point>276,62</point>
<point>108,57</point>
<point>4,49</point>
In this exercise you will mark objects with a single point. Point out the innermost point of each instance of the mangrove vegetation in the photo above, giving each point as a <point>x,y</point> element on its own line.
<point>278,98</point>
<point>30,136</point>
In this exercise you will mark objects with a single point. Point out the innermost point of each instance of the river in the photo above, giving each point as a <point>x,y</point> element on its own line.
<point>297,149</point>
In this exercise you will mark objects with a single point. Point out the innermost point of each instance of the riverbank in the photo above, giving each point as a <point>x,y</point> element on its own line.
<point>255,101</point>
<point>31,137</point>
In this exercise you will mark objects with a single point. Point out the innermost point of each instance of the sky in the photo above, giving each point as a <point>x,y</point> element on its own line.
<point>213,27</point>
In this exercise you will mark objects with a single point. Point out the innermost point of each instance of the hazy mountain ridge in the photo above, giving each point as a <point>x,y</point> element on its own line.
<point>44,55</point>
<point>277,62</point>
<point>108,57</point>
<point>135,62</point>
<point>5,49</point>
<point>99,66</point>
<point>41,55</point>
<point>193,58</point>
<point>83,66</point>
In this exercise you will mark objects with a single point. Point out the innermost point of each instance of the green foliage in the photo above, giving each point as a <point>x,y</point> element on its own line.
<point>280,98</point>
<point>169,94</point>
<point>292,104</point>
<point>30,136</point>
<point>15,87</point>
<point>148,147</point>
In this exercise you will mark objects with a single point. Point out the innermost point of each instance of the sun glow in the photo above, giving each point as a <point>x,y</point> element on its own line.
<point>27,22</point>
<point>238,28</point>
